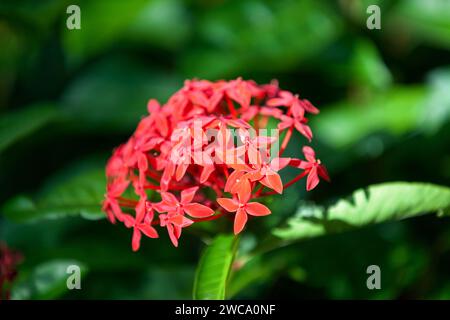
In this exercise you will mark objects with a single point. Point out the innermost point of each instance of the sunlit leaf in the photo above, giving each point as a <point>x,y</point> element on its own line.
<point>214,267</point>
<point>396,112</point>
<point>374,204</point>
<point>437,110</point>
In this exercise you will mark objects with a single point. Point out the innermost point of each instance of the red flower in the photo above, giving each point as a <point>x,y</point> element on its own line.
<point>242,207</point>
<point>203,142</point>
<point>171,204</point>
<point>174,222</point>
<point>141,224</point>
<point>299,122</point>
<point>289,100</point>
<point>313,167</point>
<point>267,173</point>
<point>111,205</point>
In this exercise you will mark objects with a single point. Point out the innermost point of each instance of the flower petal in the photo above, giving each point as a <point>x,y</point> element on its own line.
<point>142,162</point>
<point>206,172</point>
<point>279,163</point>
<point>169,199</point>
<point>140,210</point>
<point>243,189</point>
<point>153,106</point>
<point>257,209</point>
<point>308,106</point>
<point>181,171</point>
<point>240,220</point>
<point>198,210</point>
<point>229,205</point>
<point>304,130</point>
<point>254,156</point>
<point>171,231</point>
<point>188,194</point>
<point>231,181</point>
<point>136,240</point>
<point>313,179</point>
<point>322,171</point>
<point>274,181</point>
<point>148,230</point>
<point>127,220</point>
<point>309,153</point>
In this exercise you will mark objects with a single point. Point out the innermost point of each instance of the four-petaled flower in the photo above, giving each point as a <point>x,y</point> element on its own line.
<point>267,173</point>
<point>140,224</point>
<point>174,222</point>
<point>313,168</point>
<point>170,203</point>
<point>242,207</point>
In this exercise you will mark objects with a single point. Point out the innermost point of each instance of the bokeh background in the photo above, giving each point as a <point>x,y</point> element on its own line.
<point>68,97</point>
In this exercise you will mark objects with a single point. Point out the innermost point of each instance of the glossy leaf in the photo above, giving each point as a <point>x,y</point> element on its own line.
<point>374,204</point>
<point>46,281</point>
<point>80,195</point>
<point>17,125</point>
<point>214,268</point>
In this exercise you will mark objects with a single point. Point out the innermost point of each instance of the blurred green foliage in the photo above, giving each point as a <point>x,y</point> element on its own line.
<point>68,97</point>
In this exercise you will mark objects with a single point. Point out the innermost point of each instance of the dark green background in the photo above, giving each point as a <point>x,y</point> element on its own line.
<point>68,97</point>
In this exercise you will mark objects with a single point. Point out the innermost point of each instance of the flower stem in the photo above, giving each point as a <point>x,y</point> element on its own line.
<point>231,107</point>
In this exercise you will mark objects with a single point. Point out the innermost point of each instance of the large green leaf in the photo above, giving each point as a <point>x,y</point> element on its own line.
<point>14,126</point>
<point>214,267</point>
<point>79,195</point>
<point>46,281</point>
<point>374,204</point>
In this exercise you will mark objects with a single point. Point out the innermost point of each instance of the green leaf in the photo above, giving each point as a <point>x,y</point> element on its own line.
<point>425,20</point>
<point>214,268</point>
<point>437,111</point>
<point>366,63</point>
<point>45,281</point>
<point>374,204</point>
<point>397,111</point>
<point>78,195</point>
<point>17,125</point>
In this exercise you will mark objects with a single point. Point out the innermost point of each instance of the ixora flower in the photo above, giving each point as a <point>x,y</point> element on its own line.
<point>208,153</point>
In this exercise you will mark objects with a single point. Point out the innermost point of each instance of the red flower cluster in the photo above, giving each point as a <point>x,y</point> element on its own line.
<point>8,269</point>
<point>205,153</point>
